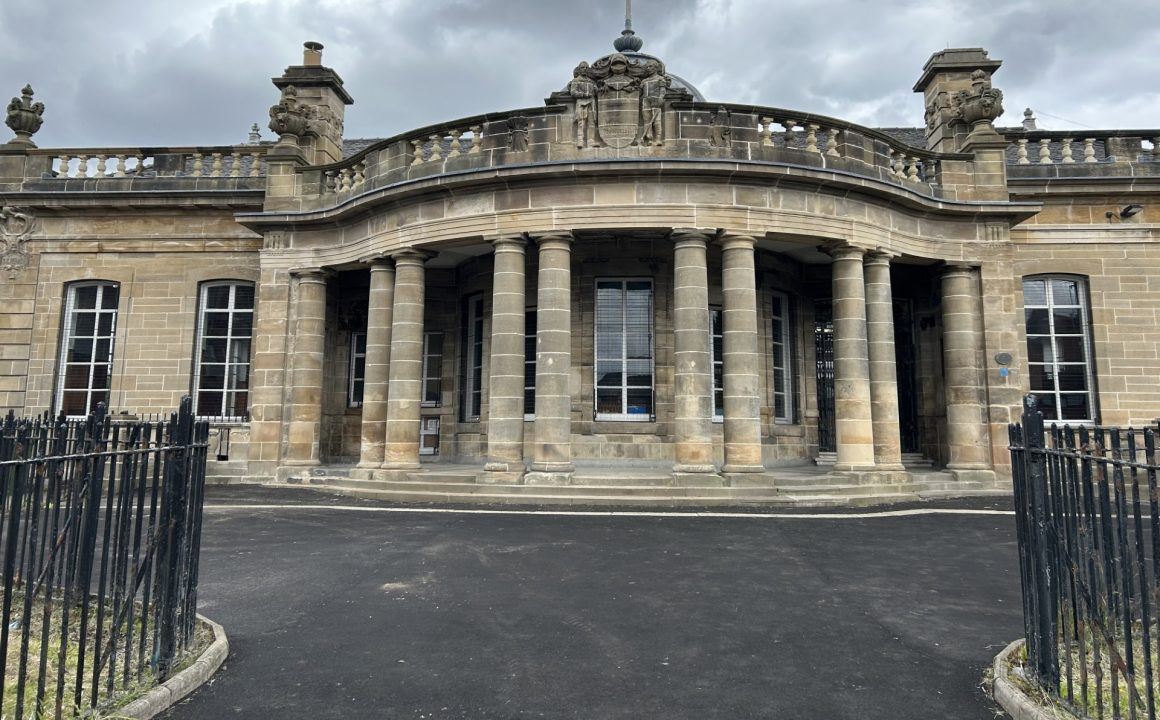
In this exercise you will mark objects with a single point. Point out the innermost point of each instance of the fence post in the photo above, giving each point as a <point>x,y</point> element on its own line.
<point>1042,560</point>
<point>172,522</point>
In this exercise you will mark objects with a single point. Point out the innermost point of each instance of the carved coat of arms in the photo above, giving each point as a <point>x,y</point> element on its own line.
<point>16,226</point>
<point>619,101</point>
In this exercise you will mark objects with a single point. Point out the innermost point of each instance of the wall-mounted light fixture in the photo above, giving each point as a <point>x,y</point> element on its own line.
<point>1125,213</point>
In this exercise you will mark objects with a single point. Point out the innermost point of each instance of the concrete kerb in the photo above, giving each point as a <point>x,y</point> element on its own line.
<point>1012,698</point>
<point>172,691</point>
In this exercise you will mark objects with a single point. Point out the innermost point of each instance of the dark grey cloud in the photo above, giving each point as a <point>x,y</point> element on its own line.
<point>146,72</point>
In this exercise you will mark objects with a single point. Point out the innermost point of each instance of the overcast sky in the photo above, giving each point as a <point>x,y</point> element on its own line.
<point>153,72</point>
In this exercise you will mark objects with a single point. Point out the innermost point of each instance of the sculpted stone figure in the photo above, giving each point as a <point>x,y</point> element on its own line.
<point>653,91</point>
<point>584,91</point>
<point>518,133</point>
<point>720,131</point>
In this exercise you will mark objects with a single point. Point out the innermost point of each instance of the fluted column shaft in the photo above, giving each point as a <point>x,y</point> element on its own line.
<point>306,367</point>
<point>741,357</point>
<point>693,359</point>
<point>855,424</point>
<point>505,424</point>
<point>380,309</point>
<point>883,360</point>
<point>553,446</point>
<point>966,397</point>
<point>406,365</point>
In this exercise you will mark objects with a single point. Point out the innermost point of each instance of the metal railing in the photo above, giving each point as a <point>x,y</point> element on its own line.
<point>1088,524</point>
<point>100,533</point>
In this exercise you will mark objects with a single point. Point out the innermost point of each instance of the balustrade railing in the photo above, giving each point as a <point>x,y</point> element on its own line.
<point>225,162</point>
<point>1083,148</point>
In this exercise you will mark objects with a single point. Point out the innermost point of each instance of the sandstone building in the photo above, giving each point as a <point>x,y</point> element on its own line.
<point>627,276</point>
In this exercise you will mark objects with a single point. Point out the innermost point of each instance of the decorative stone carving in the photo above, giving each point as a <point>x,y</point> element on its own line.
<point>518,133</point>
<point>934,108</point>
<point>979,106</point>
<point>16,227</point>
<point>720,130</point>
<point>290,118</point>
<point>24,117</point>
<point>624,97</point>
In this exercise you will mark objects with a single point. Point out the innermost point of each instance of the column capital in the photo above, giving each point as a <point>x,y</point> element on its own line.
<point>960,269</point>
<point>736,241</point>
<point>693,235</point>
<point>553,240</point>
<point>377,260</point>
<point>843,251</point>
<point>311,275</point>
<point>509,243</point>
<point>411,256</point>
<point>881,256</point>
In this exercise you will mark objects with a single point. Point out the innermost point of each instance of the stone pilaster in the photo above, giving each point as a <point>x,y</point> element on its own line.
<point>380,309</point>
<point>855,424</point>
<point>505,423</point>
<point>883,359</point>
<point>693,358</point>
<point>306,368</point>
<point>406,365</point>
<point>552,459</point>
<point>741,356</point>
<point>968,442</point>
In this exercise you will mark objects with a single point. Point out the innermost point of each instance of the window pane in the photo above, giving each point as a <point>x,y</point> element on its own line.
<point>86,297</point>
<point>1068,321</point>
<point>639,373</point>
<point>85,324</point>
<point>100,377</point>
<point>80,350</point>
<point>217,297</point>
<point>209,404</point>
<point>640,402</point>
<point>213,377</point>
<point>1074,406</point>
<point>76,377</point>
<point>105,324</point>
<point>435,344</point>
<point>73,403</point>
<point>1037,322</point>
<point>216,324</point>
<point>239,377</point>
<point>1065,292</point>
<point>240,351</point>
<point>1035,293</point>
<point>1070,349</point>
<point>244,326</point>
<point>1047,407</point>
<point>779,408</point>
<point>244,297</point>
<point>1042,378</point>
<point>241,405</point>
<point>1040,349</point>
<point>1072,377</point>
<point>608,401</point>
<point>433,391</point>
<point>96,399</point>
<point>214,351</point>
<point>609,374</point>
<point>103,351</point>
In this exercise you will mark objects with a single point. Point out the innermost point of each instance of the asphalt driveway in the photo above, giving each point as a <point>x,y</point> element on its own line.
<point>337,613</point>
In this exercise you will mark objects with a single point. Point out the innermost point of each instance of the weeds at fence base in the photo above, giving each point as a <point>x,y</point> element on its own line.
<point>108,701</point>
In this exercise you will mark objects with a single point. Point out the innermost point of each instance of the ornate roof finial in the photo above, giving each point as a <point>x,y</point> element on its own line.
<point>628,41</point>
<point>24,117</point>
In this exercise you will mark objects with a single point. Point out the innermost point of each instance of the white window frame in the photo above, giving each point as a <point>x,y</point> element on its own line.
<point>785,340</point>
<point>624,387</point>
<point>715,362</point>
<point>427,377</point>
<point>472,372</point>
<point>202,309</point>
<point>1088,364</point>
<point>67,337</point>
<point>531,323</point>
<point>354,377</point>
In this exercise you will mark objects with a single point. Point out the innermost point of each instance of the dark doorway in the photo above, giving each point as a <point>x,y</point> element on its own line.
<point>906,365</point>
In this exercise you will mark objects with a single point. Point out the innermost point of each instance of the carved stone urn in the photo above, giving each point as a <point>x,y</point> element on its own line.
<point>289,118</point>
<point>24,117</point>
<point>981,105</point>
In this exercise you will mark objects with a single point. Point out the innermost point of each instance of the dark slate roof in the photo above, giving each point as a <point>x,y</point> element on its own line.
<point>915,137</point>
<point>353,146</point>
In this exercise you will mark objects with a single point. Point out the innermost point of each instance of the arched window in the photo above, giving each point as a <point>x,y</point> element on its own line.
<point>86,349</point>
<point>225,329</point>
<point>1059,354</point>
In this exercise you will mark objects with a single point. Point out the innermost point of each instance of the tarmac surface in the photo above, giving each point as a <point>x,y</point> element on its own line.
<point>372,612</point>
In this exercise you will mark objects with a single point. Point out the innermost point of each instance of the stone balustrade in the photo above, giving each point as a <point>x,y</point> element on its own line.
<point>246,161</point>
<point>1090,147</point>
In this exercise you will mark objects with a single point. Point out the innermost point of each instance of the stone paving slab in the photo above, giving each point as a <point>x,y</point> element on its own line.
<point>385,614</point>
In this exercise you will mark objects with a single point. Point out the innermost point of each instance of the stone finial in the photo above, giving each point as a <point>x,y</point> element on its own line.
<point>255,135</point>
<point>1029,120</point>
<point>628,41</point>
<point>981,105</point>
<point>290,118</point>
<point>24,117</point>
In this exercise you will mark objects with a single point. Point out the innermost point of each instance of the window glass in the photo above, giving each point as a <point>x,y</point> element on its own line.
<point>625,343</point>
<point>86,356</point>
<point>1059,361</point>
<point>225,332</point>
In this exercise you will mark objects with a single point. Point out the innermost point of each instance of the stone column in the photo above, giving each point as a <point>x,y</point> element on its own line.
<point>968,441</point>
<point>855,424</point>
<point>742,359</point>
<point>380,309</point>
<point>693,358</point>
<point>883,370</point>
<point>305,428</point>
<point>505,421</point>
<point>406,370</point>
<point>552,459</point>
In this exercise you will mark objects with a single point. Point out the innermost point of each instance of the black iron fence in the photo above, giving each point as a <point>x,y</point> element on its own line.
<point>1088,523</point>
<point>100,533</point>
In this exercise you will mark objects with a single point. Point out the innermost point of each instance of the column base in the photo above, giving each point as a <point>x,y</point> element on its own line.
<point>889,467</point>
<point>501,474</point>
<point>741,469</point>
<point>694,469</point>
<point>977,474</point>
<point>401,466</point>
<point>851,468</point>
<point>540,477</point>
<point>697,478</point>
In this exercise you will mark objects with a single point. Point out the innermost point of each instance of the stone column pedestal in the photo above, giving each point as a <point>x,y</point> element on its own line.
<point>406,368</point>
<point>380,311</point>
<point>855,424</point>
<point>305,427</point>
<point>883,361</point>
<point>552,455</point>
<point>505,422</point>
<point>968,439</point>
<point>741,357</point>
<point>692,357</point>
